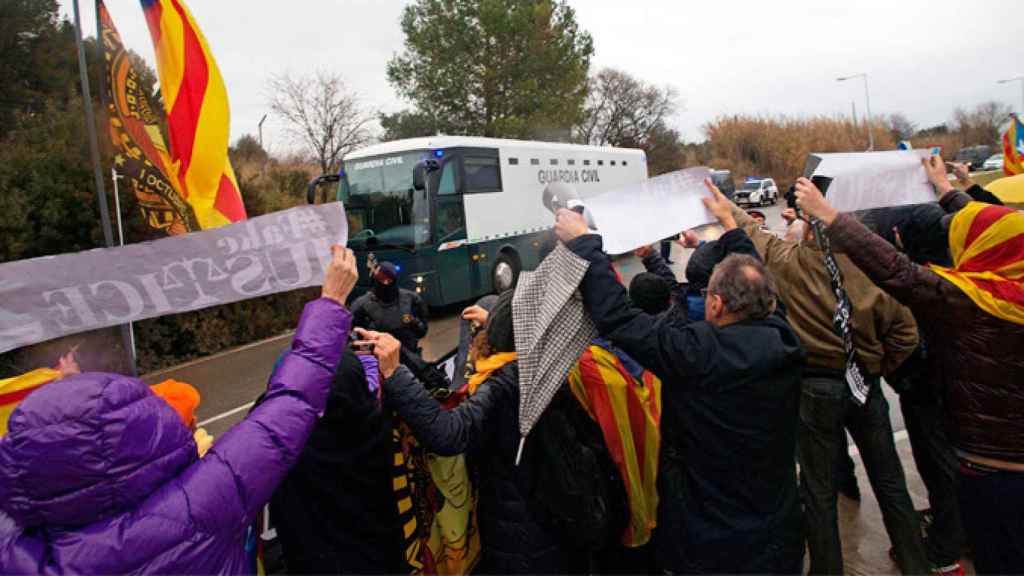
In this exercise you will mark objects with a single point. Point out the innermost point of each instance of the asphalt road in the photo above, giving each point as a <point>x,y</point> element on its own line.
<point>229,382</point>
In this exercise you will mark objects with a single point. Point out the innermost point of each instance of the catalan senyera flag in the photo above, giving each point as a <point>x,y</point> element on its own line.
<point>1013,148</point>
<point>14,390</point>
<point>142,157</point>
<point>198,117</point>
<point>987,245</point>
<point>625,401</point>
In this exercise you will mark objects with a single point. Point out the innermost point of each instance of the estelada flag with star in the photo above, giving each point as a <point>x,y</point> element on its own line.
<point>1013,148</point>
<point>141,155</point>
<point>198,116</point>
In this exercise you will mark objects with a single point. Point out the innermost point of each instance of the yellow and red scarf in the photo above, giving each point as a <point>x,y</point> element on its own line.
<point>987,246</point>
<point>487,366</point>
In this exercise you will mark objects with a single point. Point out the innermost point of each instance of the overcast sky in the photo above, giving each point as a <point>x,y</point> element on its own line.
<point>923,58</point>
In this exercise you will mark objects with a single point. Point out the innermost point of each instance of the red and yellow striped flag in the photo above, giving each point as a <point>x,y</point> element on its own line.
<point>1013,148</point>
<point>198,118</point>
<point>628,411</point>
<point>14,390</point>
<point>987,246</point>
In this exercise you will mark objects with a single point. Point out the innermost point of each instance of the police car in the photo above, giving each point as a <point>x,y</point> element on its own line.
<point>757,192</point>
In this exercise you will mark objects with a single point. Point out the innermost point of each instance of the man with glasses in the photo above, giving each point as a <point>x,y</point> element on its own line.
<point>730,397</point>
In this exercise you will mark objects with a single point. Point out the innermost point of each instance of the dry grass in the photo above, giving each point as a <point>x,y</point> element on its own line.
<point>778,147</point>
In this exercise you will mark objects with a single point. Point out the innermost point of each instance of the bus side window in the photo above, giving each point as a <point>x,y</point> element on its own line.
<point>447,185</point>
<point>483,174</point>
<point>451,219</point>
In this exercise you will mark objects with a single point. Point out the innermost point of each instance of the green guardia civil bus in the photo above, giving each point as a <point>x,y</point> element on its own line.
<point>471,221</point>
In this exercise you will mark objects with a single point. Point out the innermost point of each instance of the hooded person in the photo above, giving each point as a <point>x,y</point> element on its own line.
<point>517,531</point>
<point>388,308</point>
<point>401,313</point>
<point>99,475</point>
<point>335,512</point>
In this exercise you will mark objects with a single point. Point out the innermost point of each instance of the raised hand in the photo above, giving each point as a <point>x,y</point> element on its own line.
<point>719,206</point>
<point>569,225</point>
<point>341,275</point>
<point>810,200</point>
<point>789,215</point>
<point>962,172</point>
<point>476,315</point>
<point>386,348</point>
<point>935,169</point>
<point>689,240</point>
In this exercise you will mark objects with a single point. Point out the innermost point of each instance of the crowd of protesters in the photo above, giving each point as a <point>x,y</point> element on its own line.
<point>701,430</point>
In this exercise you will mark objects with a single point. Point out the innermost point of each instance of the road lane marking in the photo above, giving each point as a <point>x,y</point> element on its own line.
<point>224,415</point>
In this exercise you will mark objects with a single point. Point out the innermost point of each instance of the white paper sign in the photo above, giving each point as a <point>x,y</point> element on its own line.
<point>864,180</point>
<point>646,212</point>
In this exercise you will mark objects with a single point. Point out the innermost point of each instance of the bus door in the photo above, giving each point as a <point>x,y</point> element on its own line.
<point>455,263</point>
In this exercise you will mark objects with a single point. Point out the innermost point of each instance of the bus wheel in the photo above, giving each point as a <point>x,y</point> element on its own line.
<point>505,273</point>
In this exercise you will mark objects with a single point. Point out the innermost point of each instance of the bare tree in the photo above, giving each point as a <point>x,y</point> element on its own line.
<point>901,127</point>
<point>981,125</point>
<point>622,110</point>
<point>322,114</point>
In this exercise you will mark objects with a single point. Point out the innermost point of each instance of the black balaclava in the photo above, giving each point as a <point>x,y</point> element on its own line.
<point>650,293</point>
<point>500,334</point>
<point>386,292</point>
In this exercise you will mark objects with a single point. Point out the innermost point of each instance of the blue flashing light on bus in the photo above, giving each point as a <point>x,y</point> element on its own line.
<point>438,153</point>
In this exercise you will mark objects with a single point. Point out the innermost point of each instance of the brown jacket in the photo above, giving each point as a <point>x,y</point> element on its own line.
<point>884,332</point>
<point>977,359</point>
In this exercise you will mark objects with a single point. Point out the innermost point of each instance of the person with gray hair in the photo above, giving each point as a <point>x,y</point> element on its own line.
<point>745,285</point>
<point>730,399</point>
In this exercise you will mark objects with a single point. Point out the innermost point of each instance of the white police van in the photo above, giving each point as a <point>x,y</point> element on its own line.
<point>757,192</point>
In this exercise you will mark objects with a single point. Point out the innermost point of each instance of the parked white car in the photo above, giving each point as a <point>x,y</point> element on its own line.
<point>757,192</point>
<point>994,162</point>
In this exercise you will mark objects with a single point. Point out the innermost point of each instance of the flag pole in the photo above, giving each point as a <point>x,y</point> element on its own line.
<point>127,330</point>
<point>94,153</point>
<point>90,125</point>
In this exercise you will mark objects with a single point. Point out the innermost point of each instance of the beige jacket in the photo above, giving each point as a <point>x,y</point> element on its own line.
<point>884,331</point>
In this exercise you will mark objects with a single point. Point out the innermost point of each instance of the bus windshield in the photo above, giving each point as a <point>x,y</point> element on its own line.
<point>382,207</point>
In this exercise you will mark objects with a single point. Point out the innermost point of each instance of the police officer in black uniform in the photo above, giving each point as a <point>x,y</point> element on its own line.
<point>401,313</point>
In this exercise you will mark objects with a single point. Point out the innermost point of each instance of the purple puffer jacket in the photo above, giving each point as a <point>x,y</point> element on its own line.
<point>100,476</point>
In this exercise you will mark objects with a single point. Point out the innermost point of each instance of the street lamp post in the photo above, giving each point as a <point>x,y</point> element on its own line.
<point>260,127</point>
<point>867,102</point>
<point>1021,80</point>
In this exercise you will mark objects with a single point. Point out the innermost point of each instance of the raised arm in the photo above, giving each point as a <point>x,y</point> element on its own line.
<point>226,489</point>
<point>770,247</point>
<point>655,264</point>
<point>924,291</point>
<point>640,335</point>
<point>442,431</point>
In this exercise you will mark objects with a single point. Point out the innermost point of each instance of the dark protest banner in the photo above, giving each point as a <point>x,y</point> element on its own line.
<point>53,296</point>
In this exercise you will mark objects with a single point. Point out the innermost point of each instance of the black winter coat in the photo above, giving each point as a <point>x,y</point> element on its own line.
<point>335,512</point>
<point>727,478</point>
<point>486,427</point>
<point>405,317</point>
